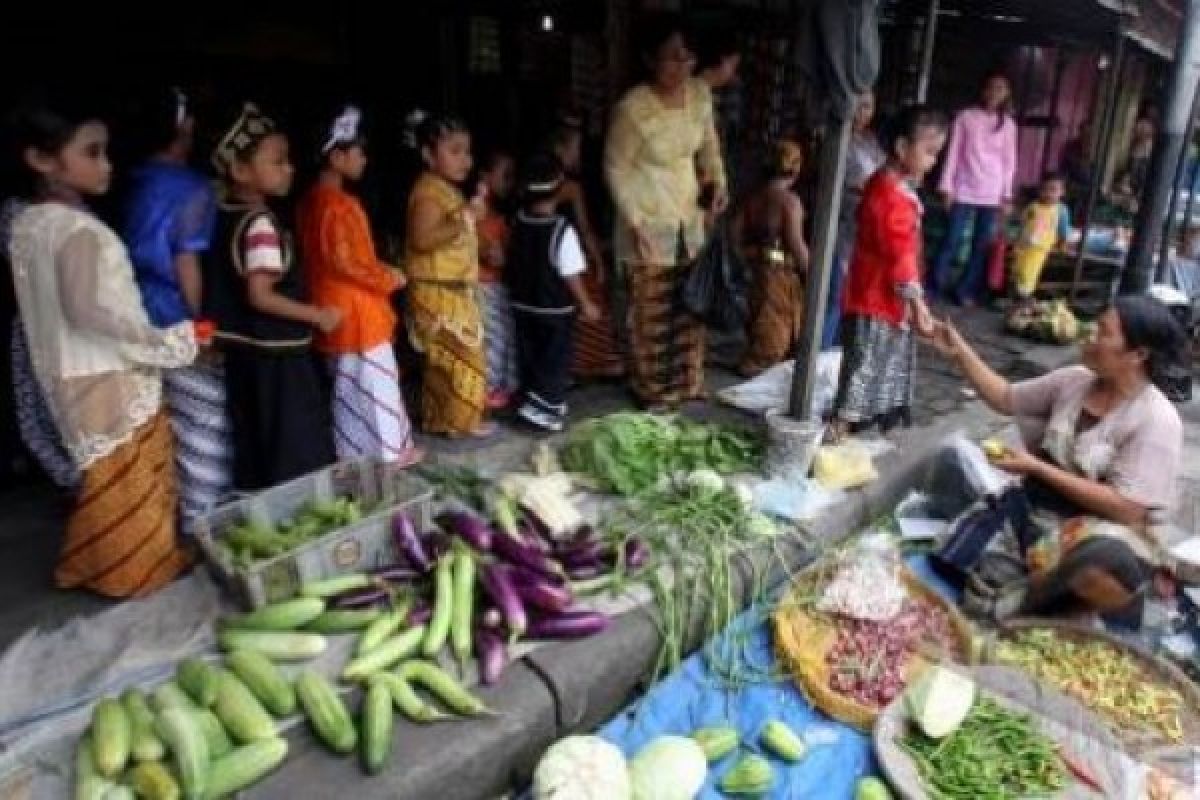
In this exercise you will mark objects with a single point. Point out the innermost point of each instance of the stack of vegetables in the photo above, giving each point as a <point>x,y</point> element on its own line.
<point>969,746</point>
<point>467,588</point>
<point>249,542</point>
<point>1105,679</point>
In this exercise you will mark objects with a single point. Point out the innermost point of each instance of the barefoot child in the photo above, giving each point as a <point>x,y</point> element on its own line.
<point>499,338</point>
<point>343,271</point>
<point>442,264</point>
<point>256,297</point>
<point>545,279</point>
<point>882,300</point>
<point>97,359</point>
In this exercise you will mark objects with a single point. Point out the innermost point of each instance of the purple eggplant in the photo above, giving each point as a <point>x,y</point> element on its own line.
<point>498,584</point>
<point>395,573</point>
<point>525,575</point>
<point>582,536</point>
<point>492,653</point>
<point>419,615</point>
<point>516,553</point>
<point>538,529</point>
<point>408,543</point>
<point>528,536</point>
<point>471,529</point>
<point>545,596</point>
<point>637,554</point>
<point>569,625</point>
<point>362,598</point>
<point>590,552</point>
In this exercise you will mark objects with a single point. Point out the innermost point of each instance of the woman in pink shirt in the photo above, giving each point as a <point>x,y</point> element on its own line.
<point>977,184</point>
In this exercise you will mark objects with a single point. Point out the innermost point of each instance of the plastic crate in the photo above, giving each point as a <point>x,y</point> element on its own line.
<point>381,489</point>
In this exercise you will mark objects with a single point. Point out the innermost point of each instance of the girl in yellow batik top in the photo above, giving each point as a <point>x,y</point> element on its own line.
<point>442,263</point>
<point>1045,225</point>
<point>98,361</point>
<point>660,140</point>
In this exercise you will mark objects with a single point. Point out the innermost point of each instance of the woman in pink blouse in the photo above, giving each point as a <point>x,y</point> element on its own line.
<point>977,184</point>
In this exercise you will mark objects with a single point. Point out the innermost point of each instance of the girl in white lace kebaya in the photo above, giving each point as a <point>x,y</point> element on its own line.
<point>97,359</point>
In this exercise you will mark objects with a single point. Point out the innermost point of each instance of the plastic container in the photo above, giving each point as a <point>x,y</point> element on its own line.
<point>381,489</point>
<point>791,446</point>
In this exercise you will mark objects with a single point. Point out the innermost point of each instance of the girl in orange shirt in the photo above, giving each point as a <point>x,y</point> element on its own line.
<point>369,417</point>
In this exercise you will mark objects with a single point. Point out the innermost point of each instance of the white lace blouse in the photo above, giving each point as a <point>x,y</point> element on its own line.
<point>94,351</point>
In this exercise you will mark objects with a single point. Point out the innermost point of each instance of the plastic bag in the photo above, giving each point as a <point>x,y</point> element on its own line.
<point>715,290</point>
<point>844,466</point>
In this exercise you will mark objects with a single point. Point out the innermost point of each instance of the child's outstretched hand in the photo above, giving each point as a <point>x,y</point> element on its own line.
<point>328,319</point>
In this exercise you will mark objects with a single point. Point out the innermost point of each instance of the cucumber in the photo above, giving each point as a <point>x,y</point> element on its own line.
<point>117,791</point>
<point>145,746</point>
<point>243,767</point>
<point>179,729</point>
<point>112,736</point>
<point>326,712</point>
<point>89,785</point>
<point>345,620</point>
<point>286,616</point>
<point>275,645</point>
<point>169,695</point>
<point>377,722</point>
<point>382,629</point>
<point>240,712</point>
<point>153,781</point>
<point>334,586</point>
<point>394,650</point>
<point>265,680</point>
<point>214,733</point>
<point>199,679</point>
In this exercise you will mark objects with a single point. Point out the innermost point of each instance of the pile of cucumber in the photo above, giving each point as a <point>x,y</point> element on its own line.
<point>249,542</point>
<point>213,730</point>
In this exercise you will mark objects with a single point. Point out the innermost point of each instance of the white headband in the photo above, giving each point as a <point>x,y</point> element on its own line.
<point>344,130</point>
<point>547,186</point>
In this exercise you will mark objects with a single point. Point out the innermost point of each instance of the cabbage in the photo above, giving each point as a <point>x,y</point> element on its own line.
<point>669,768</point>
<point>581,768</point>
<point>939,701</point>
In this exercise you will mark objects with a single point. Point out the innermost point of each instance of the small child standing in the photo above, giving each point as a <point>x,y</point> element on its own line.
<point>545,279</point>
<point>499,338</point>
<point>343,271</point>
<point>1045,225</point>
<point>882,301</point>
<point>264,326</point>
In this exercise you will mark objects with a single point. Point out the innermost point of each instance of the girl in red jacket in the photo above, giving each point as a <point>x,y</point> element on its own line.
<point>882,301</point>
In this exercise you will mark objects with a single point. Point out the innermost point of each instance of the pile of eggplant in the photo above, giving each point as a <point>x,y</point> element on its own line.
<point>469,581</point>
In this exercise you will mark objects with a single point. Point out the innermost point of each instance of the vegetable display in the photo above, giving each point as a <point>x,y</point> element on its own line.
<point>1103,678</point>
<point>628,452</point>
<point>868,660</point>
<point>996,754</point>
<point>249,542</point>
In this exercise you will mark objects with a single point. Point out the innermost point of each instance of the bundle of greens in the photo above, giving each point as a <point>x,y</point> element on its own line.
<point>629,452</point>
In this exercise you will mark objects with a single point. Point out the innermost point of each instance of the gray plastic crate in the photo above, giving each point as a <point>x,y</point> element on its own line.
<point>381,489</point>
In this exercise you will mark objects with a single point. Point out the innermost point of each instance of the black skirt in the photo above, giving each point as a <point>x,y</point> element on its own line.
<point>279,410</point>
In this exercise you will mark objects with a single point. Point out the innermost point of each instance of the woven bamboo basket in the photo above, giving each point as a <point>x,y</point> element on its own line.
<point>1154,668</point>
<point>803,637</point>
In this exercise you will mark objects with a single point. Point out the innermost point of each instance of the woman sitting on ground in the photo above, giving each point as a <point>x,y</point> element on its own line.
<point>1081,532</point>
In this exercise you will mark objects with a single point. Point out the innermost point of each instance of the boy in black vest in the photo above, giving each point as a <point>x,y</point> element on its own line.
<point>546,289</point>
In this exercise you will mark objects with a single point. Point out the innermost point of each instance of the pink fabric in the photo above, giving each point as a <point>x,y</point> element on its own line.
<point>1143,437</point>
<point>981,161</point>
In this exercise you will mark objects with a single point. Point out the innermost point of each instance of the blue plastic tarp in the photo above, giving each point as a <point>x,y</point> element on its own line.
<point>692,697</point>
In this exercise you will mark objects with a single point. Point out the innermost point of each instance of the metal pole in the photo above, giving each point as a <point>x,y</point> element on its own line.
<point>829,200</point>
<point>1173,205</point>
<point>929,40</point>
<point>1185,75</point>
<point>1108,116</point>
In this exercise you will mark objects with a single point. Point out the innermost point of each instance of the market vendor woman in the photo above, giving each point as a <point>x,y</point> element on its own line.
<point>1081,532</point>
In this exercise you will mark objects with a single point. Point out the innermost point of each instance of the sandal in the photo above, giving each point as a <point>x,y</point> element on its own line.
<point>411,457</point>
